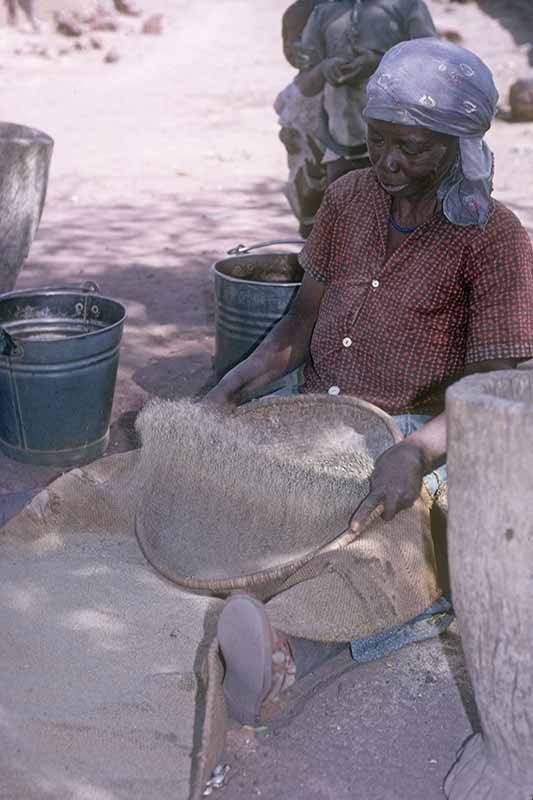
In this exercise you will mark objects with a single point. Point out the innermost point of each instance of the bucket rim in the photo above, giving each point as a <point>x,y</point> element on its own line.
<point>78,292</point>
<point>216,271</point>
<point>28,135</point>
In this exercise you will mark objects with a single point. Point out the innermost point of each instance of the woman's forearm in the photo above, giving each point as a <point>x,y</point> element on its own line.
<point>284,349</point>
<point>430,441</point>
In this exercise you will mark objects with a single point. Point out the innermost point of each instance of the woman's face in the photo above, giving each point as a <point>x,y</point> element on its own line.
<point>409,161</point>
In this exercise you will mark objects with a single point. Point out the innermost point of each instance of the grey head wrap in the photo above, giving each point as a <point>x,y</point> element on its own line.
<point>448,89</point>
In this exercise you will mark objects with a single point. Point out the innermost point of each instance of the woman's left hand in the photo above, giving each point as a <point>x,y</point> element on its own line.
<point>395,484</point>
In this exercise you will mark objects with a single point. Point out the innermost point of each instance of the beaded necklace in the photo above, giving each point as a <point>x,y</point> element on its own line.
<point>400,228</point>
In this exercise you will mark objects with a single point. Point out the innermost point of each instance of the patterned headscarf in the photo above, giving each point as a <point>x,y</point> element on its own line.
<point>448,89</point>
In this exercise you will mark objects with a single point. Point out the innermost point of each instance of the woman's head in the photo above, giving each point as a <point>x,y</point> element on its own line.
<point>409,160</point>
<point>430,97</point>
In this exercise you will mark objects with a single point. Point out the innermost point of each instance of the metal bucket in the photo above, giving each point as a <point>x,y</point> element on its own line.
<point>252,292</point>
<point>59,350</point>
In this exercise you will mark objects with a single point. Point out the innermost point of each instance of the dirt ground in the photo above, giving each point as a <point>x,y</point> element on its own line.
<point>163,161</point>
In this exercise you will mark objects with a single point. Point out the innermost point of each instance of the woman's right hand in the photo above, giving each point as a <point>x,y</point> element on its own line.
<point>284,349</point>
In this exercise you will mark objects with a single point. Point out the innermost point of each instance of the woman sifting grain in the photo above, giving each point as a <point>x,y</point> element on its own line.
<point>414,277</point>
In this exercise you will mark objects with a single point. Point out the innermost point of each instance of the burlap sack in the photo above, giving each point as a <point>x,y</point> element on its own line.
<point>260,500</point>
<point>100,656</point>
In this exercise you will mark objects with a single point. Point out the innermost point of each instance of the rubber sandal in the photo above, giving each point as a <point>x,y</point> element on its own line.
<point>246,641</point>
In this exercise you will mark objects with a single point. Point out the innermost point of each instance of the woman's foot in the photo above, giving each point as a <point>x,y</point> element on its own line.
<point>258,660</point>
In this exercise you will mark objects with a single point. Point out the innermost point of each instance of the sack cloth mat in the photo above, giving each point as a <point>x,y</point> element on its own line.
<point>111,675</point>
<point>98,657</point>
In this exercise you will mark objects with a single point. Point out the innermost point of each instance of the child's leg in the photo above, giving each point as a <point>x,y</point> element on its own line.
<point>28,7</point>
<point>11,8</point>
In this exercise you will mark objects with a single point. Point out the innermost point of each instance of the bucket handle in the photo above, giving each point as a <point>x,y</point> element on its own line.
<point>241,249</point>
<point>11,348</point>
<point>89,287</point>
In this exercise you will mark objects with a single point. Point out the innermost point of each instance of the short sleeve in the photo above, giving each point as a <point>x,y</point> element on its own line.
<point>313,40</point>
<point>500,286</point>
<point>419,22</point>
<point>315,257</point>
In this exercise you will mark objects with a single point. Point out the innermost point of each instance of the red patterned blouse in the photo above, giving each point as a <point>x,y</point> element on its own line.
<point>397,331</point>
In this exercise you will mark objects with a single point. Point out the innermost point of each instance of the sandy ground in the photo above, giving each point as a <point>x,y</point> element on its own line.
<point>163,161</point>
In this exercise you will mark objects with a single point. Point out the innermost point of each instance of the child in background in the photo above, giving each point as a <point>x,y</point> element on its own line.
<point>299,118</point>
<point>28,9</point>
<point>344,42</point>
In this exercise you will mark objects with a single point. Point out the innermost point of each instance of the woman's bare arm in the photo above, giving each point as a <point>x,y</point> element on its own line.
<point>284,349</point>
<point>397,478</point>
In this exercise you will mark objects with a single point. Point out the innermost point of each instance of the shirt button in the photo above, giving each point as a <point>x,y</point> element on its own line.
<point>375,283</point>
<point>334,390</point>
<point>346,342</point>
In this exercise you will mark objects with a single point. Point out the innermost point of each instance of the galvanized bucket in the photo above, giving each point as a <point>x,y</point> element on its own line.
<point>59,350</point>
<point>252,292</point>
